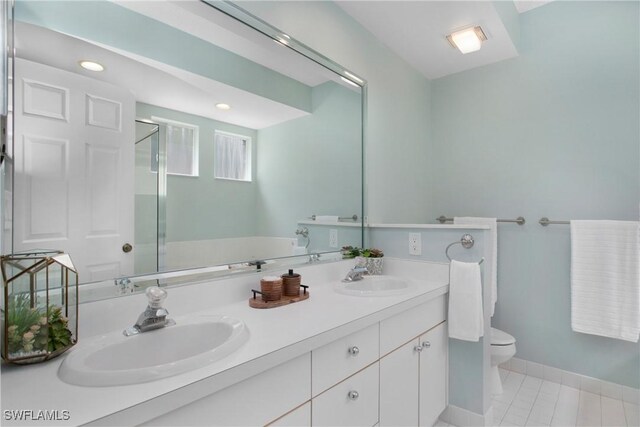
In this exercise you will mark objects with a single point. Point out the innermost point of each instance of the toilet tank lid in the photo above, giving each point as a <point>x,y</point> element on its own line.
<point>499,337</point>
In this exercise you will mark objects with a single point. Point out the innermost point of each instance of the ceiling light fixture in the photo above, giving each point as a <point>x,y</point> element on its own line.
<point>223,106</point>
<point>91,65</point>
<point>344,79</point>
<point>354,77</point>
<point>467,40</point>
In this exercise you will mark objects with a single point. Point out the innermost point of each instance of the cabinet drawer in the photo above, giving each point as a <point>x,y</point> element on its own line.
<point>254,401</point>
<point>399,329</point>
<point>353,402</point>
<point>337,360</point>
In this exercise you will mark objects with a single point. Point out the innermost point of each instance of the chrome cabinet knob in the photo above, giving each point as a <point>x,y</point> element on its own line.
<point>354,351</point>
<point>426,344</point>
<point>353,395</point>
<point>126,248</point>
<point>418,348</point>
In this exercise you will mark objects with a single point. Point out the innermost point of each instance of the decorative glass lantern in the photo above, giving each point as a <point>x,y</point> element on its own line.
<point>39,305</point>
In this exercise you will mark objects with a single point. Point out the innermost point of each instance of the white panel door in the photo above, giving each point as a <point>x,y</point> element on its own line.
<point>74,168</point>
<point>399,386</point>
<point>433,374</point>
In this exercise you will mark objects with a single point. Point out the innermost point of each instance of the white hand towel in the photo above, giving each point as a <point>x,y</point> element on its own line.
<point>491,269</point>
<point>327,218</point>
<point>466,321</point>
<point>605,278</point>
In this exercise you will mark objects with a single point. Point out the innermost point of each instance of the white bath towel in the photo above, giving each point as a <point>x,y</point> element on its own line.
<point>466,321</point>
<point>605,278</point>
<point>491,269</point>
<point>327,218</point>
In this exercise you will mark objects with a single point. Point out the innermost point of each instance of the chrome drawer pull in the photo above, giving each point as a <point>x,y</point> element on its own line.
<point>354,351</point>
<point>353,395</point>
<point>418,348</point>
<point>426,344</point>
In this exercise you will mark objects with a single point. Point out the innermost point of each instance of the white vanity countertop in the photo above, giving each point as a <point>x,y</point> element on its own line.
<point>276,335</point>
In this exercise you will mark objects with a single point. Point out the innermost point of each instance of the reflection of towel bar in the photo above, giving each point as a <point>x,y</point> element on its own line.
<point>520,220</point>
<point>466,241</point>
<point>340,218</point>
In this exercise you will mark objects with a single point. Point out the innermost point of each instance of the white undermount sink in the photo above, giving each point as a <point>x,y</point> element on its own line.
<point>372,286</point>
<point>114,359</point>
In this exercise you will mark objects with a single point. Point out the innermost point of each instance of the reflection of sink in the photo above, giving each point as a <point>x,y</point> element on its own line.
<point>114,359</point>
<point>371,286</point>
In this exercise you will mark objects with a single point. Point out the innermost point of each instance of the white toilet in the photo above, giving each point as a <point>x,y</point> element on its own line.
<point>503,348</point>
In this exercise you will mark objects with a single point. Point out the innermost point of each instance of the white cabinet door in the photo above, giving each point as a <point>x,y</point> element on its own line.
<point>353,402</point>
<point>74,168</point>
<point>433,374</point>
<point>399,386</point>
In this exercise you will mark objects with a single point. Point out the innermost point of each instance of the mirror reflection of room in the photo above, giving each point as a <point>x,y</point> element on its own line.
<point>136,156</point>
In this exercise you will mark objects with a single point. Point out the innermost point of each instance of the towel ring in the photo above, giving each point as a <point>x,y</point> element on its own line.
<point>466,241</point>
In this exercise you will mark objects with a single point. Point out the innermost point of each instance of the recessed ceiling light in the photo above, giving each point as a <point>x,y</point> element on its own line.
<point>354,77</point>
<point>468,40</point>
<point>91,66</point>
<point>222,106</point>
<point>349,81</point>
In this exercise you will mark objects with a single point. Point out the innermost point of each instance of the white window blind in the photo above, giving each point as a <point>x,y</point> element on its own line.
<point>232,156</point>
<point>182,147</point>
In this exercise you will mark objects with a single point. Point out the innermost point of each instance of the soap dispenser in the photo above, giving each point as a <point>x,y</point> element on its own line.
<point>291,283</point>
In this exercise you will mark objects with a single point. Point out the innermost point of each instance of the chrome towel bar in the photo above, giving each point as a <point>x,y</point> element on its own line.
<point>354,217</point>
<point>520,220</point>
<point>544,221</point>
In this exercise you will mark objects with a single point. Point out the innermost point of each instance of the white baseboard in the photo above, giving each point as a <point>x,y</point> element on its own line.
<point>571,379</point>
<point>460,417</point>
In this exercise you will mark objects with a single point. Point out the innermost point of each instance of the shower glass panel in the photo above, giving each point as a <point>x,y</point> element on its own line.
<point>146,198</point>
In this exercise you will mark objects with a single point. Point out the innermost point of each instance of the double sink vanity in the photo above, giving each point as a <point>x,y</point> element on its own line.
<point>372,351</point>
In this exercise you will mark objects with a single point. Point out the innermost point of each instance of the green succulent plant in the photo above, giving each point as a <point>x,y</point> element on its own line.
<point>352,252</point>
<point>29,329</point>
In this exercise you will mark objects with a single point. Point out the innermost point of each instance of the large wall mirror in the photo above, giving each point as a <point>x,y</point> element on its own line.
<point>155,135</point>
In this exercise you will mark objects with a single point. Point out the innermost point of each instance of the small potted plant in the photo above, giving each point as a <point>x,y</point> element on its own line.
<point>369,258</point>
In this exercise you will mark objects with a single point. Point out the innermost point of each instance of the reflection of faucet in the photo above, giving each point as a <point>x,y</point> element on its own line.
<point>355,274</point>
<point>155,316</point>
<point>314,258</point>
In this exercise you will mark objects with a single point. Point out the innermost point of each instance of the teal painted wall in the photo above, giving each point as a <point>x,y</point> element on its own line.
<point>397,117</point>
<point>217,208</point>
<point>106,22</point>
<point>311,165</point>
<point>553,132</point>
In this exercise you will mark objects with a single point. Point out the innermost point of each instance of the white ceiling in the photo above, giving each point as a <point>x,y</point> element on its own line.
<point>417,30</point>
<point>150,81</point>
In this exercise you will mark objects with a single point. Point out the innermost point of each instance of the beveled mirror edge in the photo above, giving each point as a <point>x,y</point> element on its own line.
<point>238,13</point>
<point>184,276</point>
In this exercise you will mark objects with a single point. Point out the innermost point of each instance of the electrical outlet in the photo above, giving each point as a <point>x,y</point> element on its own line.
<point>333,238</point>
<point>415,244</point>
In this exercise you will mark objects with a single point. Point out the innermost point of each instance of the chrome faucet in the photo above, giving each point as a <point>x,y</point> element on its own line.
<point>154,317</point>
<point>355,274</point>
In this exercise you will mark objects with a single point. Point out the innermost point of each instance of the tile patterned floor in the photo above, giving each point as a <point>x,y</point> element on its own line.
<point>530,401</point>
